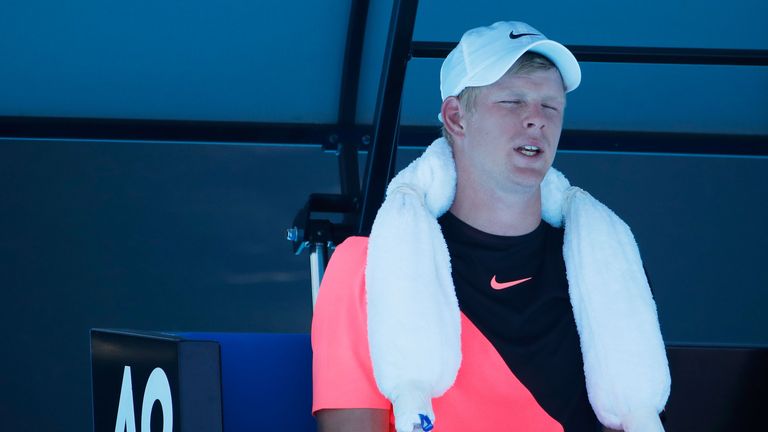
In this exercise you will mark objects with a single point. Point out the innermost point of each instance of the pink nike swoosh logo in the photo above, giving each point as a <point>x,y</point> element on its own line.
<point>500,286</point>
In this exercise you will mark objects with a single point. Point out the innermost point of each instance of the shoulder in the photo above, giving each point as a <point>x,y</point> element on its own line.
<point>352,250</point>
<point>347,260</point>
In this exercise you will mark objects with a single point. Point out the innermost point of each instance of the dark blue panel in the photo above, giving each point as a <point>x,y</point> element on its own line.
<point>266,380</point>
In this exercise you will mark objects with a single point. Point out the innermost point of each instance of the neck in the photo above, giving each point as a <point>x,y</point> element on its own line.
<point>510,214</point>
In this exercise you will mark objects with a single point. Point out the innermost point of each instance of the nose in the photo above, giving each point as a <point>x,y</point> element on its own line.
<point>535,118</point>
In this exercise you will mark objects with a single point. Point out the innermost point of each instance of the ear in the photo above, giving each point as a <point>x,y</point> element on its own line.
<point>452,116</point>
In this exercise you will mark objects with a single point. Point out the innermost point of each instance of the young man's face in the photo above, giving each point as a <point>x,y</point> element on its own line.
<point>511,137</point>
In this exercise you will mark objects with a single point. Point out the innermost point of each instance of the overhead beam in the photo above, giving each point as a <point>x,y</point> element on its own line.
<point>327,135</point>
<point>619,54</point>
<point>208,132</point>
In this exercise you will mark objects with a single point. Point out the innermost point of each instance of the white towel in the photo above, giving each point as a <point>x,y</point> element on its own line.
<point>414,319</point>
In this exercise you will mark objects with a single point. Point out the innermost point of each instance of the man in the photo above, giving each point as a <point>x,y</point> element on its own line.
<point>480,320</point>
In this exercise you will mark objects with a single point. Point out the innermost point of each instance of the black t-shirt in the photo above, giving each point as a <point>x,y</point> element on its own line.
<point>514,290</point>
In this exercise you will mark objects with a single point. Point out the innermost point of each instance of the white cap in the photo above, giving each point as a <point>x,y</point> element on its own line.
<point>484,55</point>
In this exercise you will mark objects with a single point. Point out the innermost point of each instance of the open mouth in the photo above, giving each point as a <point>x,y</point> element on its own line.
<point>528,150</point>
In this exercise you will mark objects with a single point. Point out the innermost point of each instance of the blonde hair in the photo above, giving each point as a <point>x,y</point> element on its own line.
<point>529,62</point>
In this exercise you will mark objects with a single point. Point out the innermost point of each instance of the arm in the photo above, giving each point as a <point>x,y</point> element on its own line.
<point>345,395</point>
<point>607,429</point>
<point>352,420</point>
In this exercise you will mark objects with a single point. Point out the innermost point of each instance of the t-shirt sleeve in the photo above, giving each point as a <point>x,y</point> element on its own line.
<point>342,375</point>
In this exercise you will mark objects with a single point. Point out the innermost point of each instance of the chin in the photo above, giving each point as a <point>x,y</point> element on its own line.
<point>530,177</point>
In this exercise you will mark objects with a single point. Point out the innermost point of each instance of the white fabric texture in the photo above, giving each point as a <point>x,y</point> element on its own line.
<point>414,319</point>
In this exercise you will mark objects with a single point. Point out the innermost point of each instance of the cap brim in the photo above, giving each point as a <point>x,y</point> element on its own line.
<point>562,58</point>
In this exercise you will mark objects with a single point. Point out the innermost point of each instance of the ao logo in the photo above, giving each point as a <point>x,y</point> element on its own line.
<point>157,389</point>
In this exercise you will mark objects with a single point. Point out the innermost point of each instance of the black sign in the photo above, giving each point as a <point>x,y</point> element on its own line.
<point>155,382</point>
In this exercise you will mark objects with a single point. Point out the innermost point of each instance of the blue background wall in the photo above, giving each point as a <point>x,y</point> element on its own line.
<point>180,236</point>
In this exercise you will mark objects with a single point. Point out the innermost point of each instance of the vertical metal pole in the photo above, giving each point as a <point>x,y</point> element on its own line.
<point>381,156</point>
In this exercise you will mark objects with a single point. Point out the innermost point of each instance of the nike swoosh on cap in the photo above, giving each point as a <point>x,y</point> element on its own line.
<point>500,286</point>
<point>512,35</point>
